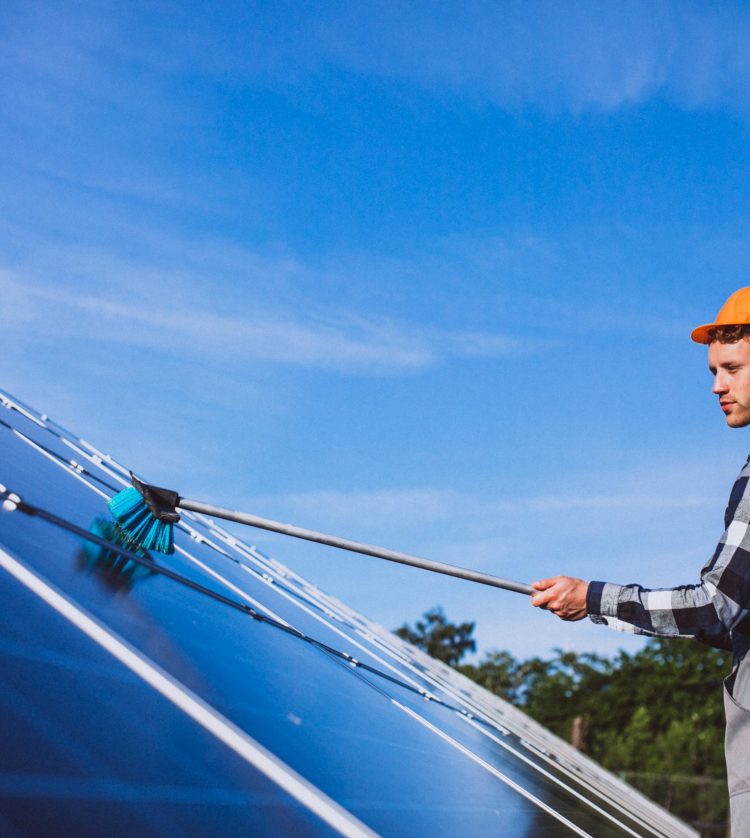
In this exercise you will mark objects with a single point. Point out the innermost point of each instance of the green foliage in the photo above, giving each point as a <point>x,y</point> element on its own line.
<point>655,717</point>
<point>498,673</point>
<point>439,638</point>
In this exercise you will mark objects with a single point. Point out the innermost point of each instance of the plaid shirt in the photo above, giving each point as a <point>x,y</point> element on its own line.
<point>716,611</point>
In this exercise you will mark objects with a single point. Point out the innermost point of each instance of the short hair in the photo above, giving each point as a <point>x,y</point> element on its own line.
<point>728,334</point>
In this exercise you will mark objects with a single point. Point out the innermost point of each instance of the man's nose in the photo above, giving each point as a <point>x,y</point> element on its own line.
<point>720,385</point>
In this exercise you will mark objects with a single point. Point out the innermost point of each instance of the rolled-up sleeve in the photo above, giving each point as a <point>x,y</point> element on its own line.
<point>708,610</point>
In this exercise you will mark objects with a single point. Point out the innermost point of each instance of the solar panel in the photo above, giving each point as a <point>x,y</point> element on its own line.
<point>214,690</point>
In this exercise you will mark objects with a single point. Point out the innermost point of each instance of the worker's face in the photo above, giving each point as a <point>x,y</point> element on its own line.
<point>730,366</point>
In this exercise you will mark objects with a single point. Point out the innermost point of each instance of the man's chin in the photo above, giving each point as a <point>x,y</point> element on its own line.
<point>738,421</point>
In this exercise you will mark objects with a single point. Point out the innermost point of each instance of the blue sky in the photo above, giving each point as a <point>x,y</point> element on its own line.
<point>420,274</point>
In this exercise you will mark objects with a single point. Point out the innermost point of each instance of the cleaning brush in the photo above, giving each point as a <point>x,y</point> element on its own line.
<point>146,520</point>
<point>148,515</point>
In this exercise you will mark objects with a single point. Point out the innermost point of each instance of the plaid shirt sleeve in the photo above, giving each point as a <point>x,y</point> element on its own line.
<point>707,611</point>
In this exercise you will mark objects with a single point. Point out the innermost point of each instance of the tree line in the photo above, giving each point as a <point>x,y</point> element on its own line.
<point>655,717</point>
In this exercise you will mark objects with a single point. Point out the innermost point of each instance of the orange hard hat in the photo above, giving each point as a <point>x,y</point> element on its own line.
<point>734,312</point>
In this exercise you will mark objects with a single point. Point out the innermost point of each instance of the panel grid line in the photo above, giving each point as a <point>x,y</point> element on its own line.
<point>312,798</point>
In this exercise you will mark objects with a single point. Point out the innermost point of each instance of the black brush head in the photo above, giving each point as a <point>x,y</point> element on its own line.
<point>161,502</point>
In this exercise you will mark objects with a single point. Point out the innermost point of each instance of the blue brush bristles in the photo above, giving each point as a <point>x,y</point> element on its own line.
<point>133,515</point>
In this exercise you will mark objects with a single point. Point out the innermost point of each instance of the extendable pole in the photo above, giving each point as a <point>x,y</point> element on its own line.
<point>354,546</point>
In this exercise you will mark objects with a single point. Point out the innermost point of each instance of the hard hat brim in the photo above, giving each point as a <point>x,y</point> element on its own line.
<point>700,335</point>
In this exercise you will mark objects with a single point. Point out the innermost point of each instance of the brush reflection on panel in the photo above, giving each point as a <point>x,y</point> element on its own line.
<point>118,572</point>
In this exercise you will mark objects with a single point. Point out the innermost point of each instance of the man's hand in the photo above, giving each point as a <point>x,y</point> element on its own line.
<point>563,596</point>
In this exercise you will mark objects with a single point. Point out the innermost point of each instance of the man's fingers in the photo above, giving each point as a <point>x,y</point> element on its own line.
<point>542,598</point>
<point>543,584</point>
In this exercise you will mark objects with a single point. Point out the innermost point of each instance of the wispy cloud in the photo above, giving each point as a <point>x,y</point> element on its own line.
<point>183,312</point>
<point>416,510</point>
<point>573,56</point>
<point>586,55</point>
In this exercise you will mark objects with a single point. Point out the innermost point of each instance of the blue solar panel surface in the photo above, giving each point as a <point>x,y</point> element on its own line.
<point>133,700</point>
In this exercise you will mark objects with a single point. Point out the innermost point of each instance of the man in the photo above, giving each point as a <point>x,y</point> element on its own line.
<point>717,609</point>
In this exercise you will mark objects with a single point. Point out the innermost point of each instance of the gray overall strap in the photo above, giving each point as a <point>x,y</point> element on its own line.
<point>737,746</point>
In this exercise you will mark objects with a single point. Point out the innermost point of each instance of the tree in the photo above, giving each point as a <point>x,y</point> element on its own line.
<point>655,717</point>
<point>499,673</point>
<point>439,638</point>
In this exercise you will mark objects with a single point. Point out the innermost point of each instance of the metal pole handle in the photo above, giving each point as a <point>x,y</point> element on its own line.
<point>354,546</point>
